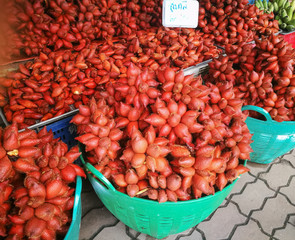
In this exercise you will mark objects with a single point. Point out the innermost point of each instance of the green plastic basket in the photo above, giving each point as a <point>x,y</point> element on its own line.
<point>271,139</point>
<point>155,219</point>
<point>74,230</point>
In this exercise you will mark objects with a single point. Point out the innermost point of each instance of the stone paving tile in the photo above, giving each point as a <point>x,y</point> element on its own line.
<point>90,200</point>
<point>292,220</point>
<point>249,231</point>
<point>275,178</point>
<point>95,220</point>
<point>286,234</point>
<point>243,179</point>
<point>290,157</point>
<point>194,236</point>
<point>253,196</point>
<point>99,224</point>
<point>276,160</point>
<point>222,204</point>
<point>273,213</point>
<point>290,190</point>
<point>116,232</point>
<point>222,222</point>
<point>143,236</point>
<point>132,232</point>
<point>256,168</point>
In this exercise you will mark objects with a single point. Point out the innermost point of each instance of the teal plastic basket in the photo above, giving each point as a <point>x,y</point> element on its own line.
<point>74,230</point>
<point>158,220</point>
<point>271,139</point>
<point>63,129</point>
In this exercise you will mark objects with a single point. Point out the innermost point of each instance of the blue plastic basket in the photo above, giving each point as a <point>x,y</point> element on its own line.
<point>64,130</point>
<point>271,139</point>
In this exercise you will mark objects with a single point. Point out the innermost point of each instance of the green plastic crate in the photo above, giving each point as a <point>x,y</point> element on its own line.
<point>271,139</point>
<point>158,220</point>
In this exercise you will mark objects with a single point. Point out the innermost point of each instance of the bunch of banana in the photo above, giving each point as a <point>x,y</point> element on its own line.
<point>284,11</point>
<point>263,5</point>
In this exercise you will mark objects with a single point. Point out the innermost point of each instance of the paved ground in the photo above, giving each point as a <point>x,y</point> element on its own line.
<point>261,206</point>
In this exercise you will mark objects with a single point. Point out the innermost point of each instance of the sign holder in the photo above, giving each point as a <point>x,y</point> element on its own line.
<point>180,13</point>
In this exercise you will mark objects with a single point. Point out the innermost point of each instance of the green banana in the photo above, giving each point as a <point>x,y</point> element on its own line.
<point>276,7</point>
<point>259,4</point>
<point>271,8</point>
<point>290,27</point>
<point>292,9</point>
<point>287,4</point>
<point>292,22</point>
<point>265,4</point>
<point>283,25</point>
<point>282,3</point>
<point>280,21</point>
<point>286,19</point>
<point>283,13</point>
<point>290,12</point>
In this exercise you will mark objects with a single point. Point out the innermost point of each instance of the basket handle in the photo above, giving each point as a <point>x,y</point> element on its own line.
<point>258,109</point>
<point>101,177</point>
<point>95,172</point>
<point>77,196</point>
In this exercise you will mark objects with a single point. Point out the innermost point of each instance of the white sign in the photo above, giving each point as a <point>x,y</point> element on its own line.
<point>180,13</point>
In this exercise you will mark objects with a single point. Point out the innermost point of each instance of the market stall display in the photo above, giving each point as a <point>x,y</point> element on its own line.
<point>134,158</point>
<point>161,114</point>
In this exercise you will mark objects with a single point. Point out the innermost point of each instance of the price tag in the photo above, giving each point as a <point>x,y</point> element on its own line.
<point>180,13</point>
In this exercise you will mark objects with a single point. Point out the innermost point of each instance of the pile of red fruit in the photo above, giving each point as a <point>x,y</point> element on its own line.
<point>36,199</point>
<point>165,136</point>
